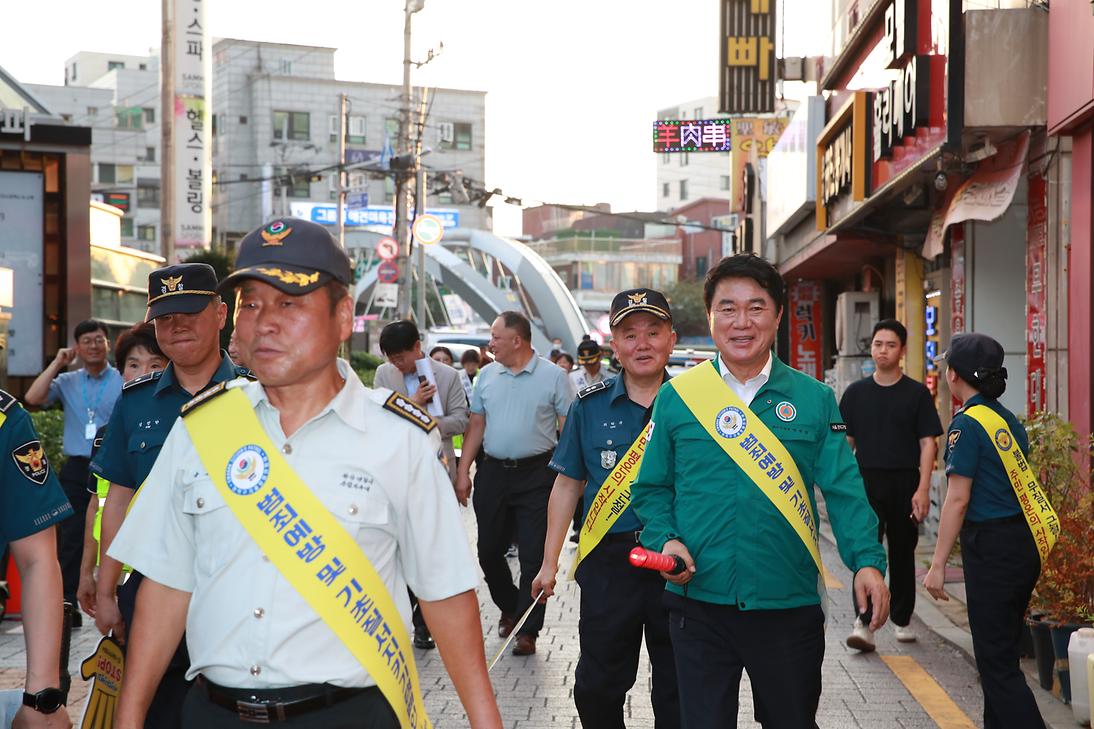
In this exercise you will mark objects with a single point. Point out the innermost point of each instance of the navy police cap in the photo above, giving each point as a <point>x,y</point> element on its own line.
<point>293,255</point>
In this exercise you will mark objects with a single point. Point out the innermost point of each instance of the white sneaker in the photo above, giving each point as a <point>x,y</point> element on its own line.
<point>861,638</point>
<point>904,633</point>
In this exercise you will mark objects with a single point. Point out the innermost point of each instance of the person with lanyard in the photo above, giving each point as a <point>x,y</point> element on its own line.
<point>1002,547</point>
<point>726,485</point>
<point>88,396</point>
<point>893,428</point>
<point>31,505</point>
<point>285,519</point>
<point>138,354</point>
<point>518,407</point>
<point>188,315</point>
<point>589,371</point>
<point>602,441</point>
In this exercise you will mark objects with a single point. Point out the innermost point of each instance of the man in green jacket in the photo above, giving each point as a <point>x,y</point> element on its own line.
<point>750,596</point>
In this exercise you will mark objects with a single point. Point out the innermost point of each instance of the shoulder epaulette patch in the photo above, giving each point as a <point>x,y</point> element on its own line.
<point>204,397</point>
<point>150,377</point>
<point>244,372</point>
<point>6,401</point>
<point>406,409</point>
<point>597,387</point>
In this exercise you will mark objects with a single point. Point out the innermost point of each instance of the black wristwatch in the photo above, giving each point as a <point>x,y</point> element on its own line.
<point>45,701</point>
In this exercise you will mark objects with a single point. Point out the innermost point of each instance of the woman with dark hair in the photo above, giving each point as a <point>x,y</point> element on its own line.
<point>442,354</point>
<point>1000,553</point>
<point>565,361</point>
<point>137,353</point>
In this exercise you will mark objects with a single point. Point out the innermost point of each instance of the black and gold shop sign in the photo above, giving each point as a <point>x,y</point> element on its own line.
<point>843,164</point>
<point>747,68</point>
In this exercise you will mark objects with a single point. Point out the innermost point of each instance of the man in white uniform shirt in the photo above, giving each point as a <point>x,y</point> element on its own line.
<point>589,368</point>
<point>259,651</point>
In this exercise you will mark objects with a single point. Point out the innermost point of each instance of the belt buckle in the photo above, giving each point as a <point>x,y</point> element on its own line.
<point>510,463</point>
<point>253,713</point>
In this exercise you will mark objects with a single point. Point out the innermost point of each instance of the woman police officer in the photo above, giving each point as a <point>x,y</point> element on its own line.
<point>999,554</point>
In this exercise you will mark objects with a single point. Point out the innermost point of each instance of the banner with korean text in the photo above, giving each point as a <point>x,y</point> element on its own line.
<point>192,126</point>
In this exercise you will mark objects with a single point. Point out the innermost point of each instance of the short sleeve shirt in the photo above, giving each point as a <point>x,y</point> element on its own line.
<point>521,409</point>
<point>141,421</point>
<point>378,474</point>
<point>887,422</point>
<point>79,393</point>
<point>31,499</point>
<point>971,453</point>
<point>600,428</point>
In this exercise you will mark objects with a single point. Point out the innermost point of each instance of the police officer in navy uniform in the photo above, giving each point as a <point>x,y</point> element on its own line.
<point>31,503</point>
<point>618,602</point>
<point>998,553</point>
<point>188,315</point>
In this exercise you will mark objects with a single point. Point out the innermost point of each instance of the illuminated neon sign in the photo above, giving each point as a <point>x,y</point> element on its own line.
<point>691,135</point>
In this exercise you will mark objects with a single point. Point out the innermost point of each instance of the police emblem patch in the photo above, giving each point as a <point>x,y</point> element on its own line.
<point>952,438</point>
<point>30,458</point>
<point>248,470</point>
<point>730,422</point>
<point>275,233</point>
<point>171,283</point>
<point>786,411</point>
<point>1003,439</point>
<point>607,459</point>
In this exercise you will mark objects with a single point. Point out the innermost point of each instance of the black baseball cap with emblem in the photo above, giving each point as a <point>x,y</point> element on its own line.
<point>185,288</point>
<point>975,357</point>
<point>633,301</point>
<point>293,255</point>
<point>588,352</point>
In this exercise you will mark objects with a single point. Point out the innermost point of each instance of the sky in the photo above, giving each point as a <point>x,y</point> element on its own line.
<point>572,85</point>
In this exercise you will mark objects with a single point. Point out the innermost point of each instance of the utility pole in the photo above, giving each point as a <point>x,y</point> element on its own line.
<point>419,208</point>
<point>402,222</point>
<point>167,131</point>
<point>342,123</point>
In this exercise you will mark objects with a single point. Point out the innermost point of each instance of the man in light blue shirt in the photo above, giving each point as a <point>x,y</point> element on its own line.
<point>518,406</point>
<point>88,396</point>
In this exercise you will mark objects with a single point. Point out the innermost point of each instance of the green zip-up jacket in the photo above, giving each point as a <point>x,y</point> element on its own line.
<point>745,552</point>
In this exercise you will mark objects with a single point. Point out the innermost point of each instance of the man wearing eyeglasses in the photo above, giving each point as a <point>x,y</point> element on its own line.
<point>88,396</point>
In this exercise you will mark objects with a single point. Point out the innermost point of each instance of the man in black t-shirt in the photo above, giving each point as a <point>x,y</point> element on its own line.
<point>892,425</point>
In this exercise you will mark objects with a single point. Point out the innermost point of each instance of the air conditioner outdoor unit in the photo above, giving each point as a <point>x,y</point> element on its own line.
<point>448,132</point>
<point>856,314</point>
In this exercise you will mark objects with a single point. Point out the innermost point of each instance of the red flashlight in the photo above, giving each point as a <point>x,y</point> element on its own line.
<point>648,560</point>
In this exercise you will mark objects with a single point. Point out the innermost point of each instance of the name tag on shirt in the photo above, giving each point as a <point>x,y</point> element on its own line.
<point>89,431</point>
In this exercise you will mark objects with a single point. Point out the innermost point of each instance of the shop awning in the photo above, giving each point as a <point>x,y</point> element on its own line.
<point>984,196</point>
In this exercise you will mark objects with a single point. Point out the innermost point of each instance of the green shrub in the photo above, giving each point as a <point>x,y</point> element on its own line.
<point>50,425</point>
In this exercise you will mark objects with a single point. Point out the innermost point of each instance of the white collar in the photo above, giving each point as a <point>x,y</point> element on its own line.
<point>349,403</point>
<point>761,378</point>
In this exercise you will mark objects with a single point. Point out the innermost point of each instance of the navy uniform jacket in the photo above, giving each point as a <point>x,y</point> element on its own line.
<point>971,453</point>
<point>602,424</point>
<point>31,499</point>
<point>141,420</point>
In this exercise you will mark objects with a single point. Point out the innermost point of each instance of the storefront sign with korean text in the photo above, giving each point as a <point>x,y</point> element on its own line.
<point>1036,293</point>
<point>192,145</point>
<point>747,67</point>
<point>806,345</point>
<point>841,158</point>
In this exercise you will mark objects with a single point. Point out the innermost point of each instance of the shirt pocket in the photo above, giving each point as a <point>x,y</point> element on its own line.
<point>217,531</point>
<point>802,442</point>
<point>365,515</point>
<point>143,449</point>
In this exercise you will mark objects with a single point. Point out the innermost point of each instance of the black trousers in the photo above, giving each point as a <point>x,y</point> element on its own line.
<point>1001,567</point>
<point>517,498</point>
<point>70,531</point>
<point>782,651</point>
<point>890,494</point>
<point>165,711</point>
<point>618,605</point>
<point>367,710</point>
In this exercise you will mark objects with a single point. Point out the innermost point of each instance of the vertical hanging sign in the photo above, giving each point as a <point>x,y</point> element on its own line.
<point>806,354</point>
<point>957,290</point>
<point>1036,293</point>
<point>193,149</point>
<point>747,64</point>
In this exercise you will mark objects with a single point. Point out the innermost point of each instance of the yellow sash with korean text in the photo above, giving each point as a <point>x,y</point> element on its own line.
<point>612,499</point>
<point>753,447</point>
<point>1040,516</point>
<point>308,545</point>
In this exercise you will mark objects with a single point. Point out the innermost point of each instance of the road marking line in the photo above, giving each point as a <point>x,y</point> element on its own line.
<point>830,580</point>
<point>925,690</point>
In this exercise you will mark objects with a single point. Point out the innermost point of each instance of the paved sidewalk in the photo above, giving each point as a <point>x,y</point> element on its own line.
<point>860,691</point>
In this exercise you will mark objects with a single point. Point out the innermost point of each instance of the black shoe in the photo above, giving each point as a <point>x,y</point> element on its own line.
<point>423,640</point>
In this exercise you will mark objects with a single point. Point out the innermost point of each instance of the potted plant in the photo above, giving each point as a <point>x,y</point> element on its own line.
<point>1061,601</point>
